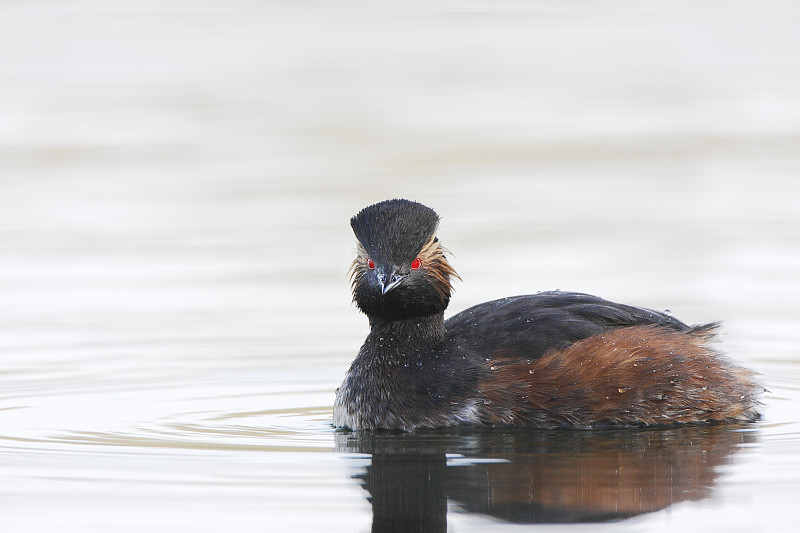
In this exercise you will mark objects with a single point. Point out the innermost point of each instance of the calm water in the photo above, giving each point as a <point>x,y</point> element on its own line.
<point>176,180</point>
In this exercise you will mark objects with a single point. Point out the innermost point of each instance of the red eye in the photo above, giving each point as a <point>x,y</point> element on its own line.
<point>416,263</point>
<point>370,264</point>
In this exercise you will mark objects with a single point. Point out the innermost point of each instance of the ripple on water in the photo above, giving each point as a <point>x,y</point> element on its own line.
<point>202,416</point>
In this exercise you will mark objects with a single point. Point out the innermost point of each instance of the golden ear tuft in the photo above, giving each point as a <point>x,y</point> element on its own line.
<point>435,265</point>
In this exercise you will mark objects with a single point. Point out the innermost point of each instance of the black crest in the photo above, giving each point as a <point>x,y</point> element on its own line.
<point>394,231</point>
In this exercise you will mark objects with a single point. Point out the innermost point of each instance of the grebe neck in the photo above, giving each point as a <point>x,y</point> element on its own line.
<point>404,338</point>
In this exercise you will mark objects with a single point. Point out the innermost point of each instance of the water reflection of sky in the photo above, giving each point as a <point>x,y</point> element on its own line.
<point>176,180</point>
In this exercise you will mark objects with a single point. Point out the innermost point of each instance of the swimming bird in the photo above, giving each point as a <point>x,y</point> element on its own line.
<point>549,360</point>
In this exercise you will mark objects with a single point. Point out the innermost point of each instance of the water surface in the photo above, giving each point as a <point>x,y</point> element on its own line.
<point>176,181</point>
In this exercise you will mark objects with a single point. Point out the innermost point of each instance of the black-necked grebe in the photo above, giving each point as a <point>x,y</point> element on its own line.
<point>553,359</point>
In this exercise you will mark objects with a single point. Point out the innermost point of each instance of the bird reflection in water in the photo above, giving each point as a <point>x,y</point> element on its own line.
<point>535,476</point>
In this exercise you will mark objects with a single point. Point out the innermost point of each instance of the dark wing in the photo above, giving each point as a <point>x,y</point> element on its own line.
<point>530,326</point>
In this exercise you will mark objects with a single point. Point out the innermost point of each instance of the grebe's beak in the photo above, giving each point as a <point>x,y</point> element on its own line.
<point>389,279</point>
